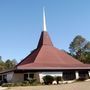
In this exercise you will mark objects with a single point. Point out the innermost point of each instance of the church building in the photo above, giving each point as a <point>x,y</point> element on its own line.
<point>46,59</point>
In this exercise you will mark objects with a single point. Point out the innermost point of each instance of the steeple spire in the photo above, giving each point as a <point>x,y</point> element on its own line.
<point>44,21</point>
<point>44,38</point>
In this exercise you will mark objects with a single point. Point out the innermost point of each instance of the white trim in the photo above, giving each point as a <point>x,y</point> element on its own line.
<point>89,73</point>
<point>44,21</point>
<point>77,74</point>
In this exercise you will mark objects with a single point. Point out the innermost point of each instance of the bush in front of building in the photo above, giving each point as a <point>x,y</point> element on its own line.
<point>89,77</point>
<point>48,79</point>
<point>1,82</point>
<point>8,85</point>
<point>58,78</point>
<point>82,79</point>
<point>14,84</point>
<point>30,82</point>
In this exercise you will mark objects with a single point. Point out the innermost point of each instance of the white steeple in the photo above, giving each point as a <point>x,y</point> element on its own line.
<point>44,21</point>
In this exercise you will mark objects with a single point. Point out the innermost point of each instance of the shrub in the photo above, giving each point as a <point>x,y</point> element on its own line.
<point>24,83</point>
<point>7,84</point>
<point>81,79</point>
<point>58,78</point>
<point>1,82</point>
<point>48,79</point>
<point>32,80</point>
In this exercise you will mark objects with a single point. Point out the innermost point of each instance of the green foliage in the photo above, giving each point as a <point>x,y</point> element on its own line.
<point>8,64</point>
<point>58,78</point>
<point>76,44</point>
<point>2,64</point>
<point>82,79</point>
<point>7,85</point>
<point>87,55</point>
<point>24,83</point>
<point>48,79</point>
<point>87,47</point>
<point>80,49</point>
<point>12,84</point>
<point>32,81</point>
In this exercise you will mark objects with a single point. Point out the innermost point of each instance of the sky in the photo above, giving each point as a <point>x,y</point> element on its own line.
<point>21,24</point>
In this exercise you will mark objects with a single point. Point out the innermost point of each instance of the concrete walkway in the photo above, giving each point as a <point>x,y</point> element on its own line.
<point>3,88</point>
<point>72,86</point>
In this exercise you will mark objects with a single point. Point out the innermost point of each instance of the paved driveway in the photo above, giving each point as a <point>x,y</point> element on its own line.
<point>3,88</point>
<point>72,86</point>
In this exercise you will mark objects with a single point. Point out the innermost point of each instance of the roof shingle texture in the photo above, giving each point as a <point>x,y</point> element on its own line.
<point>46,56</point>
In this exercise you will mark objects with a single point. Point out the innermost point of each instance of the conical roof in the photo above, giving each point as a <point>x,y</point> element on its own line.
<point>44,40</point>
<point>46,56</point>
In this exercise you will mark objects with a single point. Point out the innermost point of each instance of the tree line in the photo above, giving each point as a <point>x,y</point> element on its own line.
<point>80,49</point>
<point>7,65</point>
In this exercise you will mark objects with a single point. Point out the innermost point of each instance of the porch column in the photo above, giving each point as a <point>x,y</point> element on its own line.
<point>89,73</point>
<point>77,75</point>
<point>61,74</point>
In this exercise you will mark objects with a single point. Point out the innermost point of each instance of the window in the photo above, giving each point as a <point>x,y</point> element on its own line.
<point>0,77</point>
<point>28,75</point>
<point>25,77</point>
<point>67,75</point>
<point>31,75</point>
<point>5,78</point>
<point>83,74</point>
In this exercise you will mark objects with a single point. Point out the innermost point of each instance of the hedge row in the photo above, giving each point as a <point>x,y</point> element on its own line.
<point>24,83</point>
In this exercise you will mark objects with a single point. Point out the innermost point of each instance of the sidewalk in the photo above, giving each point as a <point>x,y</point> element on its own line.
<point>3,88</point>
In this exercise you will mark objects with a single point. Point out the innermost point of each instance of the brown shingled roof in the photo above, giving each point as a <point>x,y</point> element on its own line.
<point>46,56</point>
